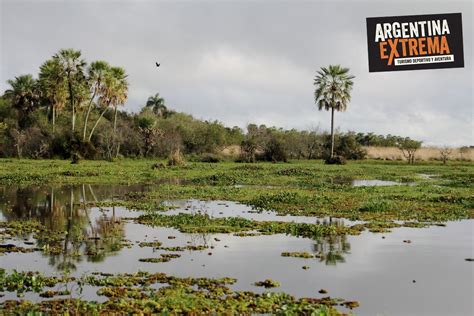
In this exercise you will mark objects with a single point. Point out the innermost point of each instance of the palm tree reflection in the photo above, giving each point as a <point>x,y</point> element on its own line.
<point>74,231</point>
<point>332,249</point>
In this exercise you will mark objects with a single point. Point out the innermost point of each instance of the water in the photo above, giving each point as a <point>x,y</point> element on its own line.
<point>378,272</point>
<point>378,183</point>
<point>371,183</point>
<point>217,209</point>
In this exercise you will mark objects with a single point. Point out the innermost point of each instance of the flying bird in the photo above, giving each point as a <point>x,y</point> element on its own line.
<point>157,65</point>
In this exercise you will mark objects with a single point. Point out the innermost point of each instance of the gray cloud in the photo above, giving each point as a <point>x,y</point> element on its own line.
<point>242,62</point>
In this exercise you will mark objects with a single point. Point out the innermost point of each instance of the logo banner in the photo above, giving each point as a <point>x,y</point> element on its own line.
<point>415,42</point>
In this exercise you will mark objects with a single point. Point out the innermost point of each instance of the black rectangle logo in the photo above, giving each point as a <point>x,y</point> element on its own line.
<point>415,42</point>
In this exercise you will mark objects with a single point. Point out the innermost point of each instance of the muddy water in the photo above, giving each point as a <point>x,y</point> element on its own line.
<point>378,272</point>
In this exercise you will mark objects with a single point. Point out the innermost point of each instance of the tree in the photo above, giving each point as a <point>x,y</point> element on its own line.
<point>248,149</point>
<point>53,86</point>
<point>149,131</point>
<point>444,153</point>
<point>24,95</point>
<point>73,67</point>
<point>333,88</point>
<point>97,73</point>
<point>119,96</point>
<point>113,93</point>
<point>19,138</point>
<point>408,148</point>
<point>157,104</point>
<point>119,90</point>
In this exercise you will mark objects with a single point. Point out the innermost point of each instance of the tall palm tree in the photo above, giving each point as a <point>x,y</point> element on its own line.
<point>104,99</point>
<point>333,92</point>
<point>24,94</point>
<point>113,93</point>
<point>73,66</point>
<point>119,98</point>
<point>53,86</point>
<point>119,91</point>
<point>157,104</point>
<point>97,73</point>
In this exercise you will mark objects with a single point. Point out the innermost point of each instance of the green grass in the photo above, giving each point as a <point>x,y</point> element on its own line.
<point>295,173</point>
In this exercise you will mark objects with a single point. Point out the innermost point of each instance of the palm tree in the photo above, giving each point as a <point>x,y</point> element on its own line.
<point>119,97</point>
<point>157,104</point>
<point>23,92</point>
<point>113,93</point>
<point>97,72</point>
<point>54,87</point>
<point>333,88</point>
<point>73,66</point>
<point>119,91</point>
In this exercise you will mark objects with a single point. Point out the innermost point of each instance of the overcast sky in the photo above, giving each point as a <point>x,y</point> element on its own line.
<point>246,62</point>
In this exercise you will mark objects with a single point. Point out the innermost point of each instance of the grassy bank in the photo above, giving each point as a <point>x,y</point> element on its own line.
<point>295,173</point>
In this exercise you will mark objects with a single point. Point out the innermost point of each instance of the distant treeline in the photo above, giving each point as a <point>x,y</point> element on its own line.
<point>71,110</point>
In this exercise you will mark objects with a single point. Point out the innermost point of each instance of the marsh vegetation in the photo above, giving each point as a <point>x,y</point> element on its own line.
<point>121,236</point>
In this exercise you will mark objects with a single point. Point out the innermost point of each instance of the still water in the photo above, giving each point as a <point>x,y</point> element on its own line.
<point>378,272</point>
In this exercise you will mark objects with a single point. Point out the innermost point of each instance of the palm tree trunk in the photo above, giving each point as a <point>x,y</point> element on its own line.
<point>54,119</point>
<point>332,132</point>
<point>115,133</point>
<point>97,123</point>
<point>115,119</point>
<point>84,131</point>
<point>71,100</point>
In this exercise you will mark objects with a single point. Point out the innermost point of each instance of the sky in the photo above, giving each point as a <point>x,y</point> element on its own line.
<point>244,62</point>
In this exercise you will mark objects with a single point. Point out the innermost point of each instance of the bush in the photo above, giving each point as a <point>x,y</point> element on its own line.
<point>175,158</point>
<point>274,151</point>
<point>335,160</point>
<point>209,157</point>
<point>37,144</point>
<point>345,146</point>
<point>61,146</point>
<point>349,148</point>
<point>248,150</point>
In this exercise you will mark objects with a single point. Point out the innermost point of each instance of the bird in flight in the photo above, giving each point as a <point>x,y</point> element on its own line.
<point>157,65</point>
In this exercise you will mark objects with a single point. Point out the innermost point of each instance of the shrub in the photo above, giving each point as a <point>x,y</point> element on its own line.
<point>248,149</point>
<point>345,146</point>
<point>176,158</point>
<point>349,148</point>
<point>335,160</point>
<point>209,157</point>
<point>274,151</point>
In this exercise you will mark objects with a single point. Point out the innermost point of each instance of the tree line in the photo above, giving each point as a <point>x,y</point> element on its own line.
<point>72,110</point>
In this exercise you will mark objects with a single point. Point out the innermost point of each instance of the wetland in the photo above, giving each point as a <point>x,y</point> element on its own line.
<point>299,237</point>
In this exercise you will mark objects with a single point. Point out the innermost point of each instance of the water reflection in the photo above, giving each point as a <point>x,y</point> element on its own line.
<point>222,208</point>
<point>332,249</point>
<point>378,272</point>
<point>73,233</point>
